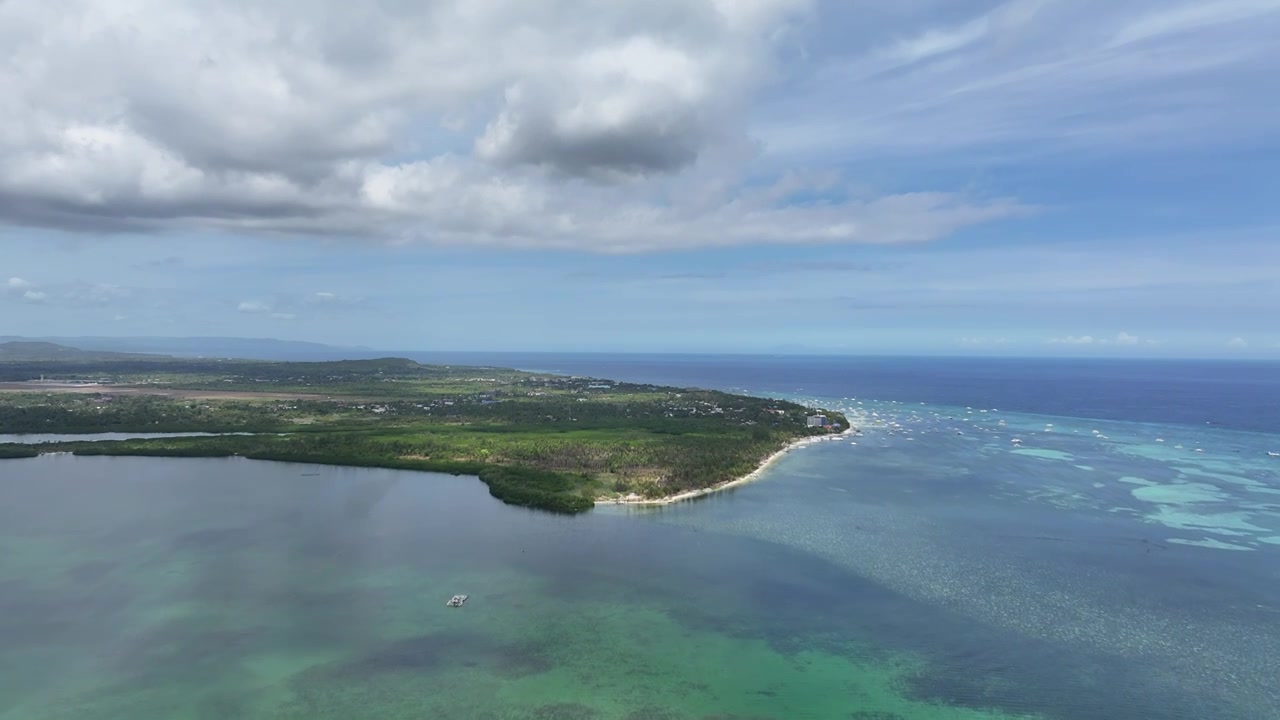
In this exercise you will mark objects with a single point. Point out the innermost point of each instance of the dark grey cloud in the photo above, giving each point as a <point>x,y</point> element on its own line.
<point>135,214</point>
<point>646,147</point>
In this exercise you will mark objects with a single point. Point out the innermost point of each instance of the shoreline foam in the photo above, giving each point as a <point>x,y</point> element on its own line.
<point>749,477</point>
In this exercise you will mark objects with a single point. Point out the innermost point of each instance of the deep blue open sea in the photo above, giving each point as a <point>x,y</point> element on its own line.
<point>1054,539</point>
<point>1233,394</point>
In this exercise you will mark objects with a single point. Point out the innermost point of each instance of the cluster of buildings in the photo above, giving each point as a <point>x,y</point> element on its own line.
<point>819,421</point>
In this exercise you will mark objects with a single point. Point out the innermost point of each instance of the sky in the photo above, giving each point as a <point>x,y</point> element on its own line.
<point>1016,177</point>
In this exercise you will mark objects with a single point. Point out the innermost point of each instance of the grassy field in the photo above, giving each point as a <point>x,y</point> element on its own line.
<point>552,442</point>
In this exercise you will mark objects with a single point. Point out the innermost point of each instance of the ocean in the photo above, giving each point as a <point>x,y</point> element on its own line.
<point>1240,395</point>
<point>1120,560</point>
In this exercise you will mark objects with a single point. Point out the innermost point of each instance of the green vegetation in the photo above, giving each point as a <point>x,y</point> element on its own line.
<point>550,442</point>
<point>9,451</point>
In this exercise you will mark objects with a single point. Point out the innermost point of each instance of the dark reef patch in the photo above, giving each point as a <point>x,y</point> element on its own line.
<point>565,711</point>
<point>651,712</point>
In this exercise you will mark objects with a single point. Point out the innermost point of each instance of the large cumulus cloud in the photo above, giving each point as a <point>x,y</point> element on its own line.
<point>608,126</point>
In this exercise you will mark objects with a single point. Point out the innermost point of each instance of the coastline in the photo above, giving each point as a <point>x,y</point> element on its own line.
<point>749,477</point>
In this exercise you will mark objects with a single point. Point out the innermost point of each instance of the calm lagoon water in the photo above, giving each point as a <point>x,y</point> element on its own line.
<point>933,570</point>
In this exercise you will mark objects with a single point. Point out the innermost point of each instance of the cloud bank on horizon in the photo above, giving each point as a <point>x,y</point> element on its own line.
<point>1097,164</point>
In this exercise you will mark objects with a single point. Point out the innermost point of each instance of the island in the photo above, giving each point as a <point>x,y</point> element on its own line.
<point>543,441</point>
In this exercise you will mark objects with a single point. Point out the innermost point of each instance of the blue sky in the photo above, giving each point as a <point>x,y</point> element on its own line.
<point>1032,177</point>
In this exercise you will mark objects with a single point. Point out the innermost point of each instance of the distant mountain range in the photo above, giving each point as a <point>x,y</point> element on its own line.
<point>35,350</point>
<point>46,348</point>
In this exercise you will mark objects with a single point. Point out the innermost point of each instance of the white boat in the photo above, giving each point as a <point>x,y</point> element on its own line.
<point>456,601</point>
<point>1273,454</point>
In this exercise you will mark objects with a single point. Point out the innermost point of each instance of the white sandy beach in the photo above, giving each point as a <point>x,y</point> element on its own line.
<point>753,475</point>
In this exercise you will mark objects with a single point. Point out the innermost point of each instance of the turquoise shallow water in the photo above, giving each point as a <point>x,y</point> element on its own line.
<point>921,573</point>
<point>1116,541</point>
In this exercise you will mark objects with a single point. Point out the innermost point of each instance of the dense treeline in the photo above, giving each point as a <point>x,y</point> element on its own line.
<point>142,413</point>
<point>530,487</point>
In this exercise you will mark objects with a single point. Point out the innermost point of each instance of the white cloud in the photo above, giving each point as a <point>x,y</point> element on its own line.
<point>972,341</point>
<point>1036,76</point>
<point>280,309</point>
<point>620,126</point>
<point>25,291</point>
<point>68,294</point>
<point>1237,343</point>
<point>95,294</point>
<point>1125,338</point>
<point>330,299</point>
<point>1074,340</point>
<point>1192,17</point>
<point>937,41</point>
<point>326,301</point>
<point>633,107</point>
<point>1121,338</point>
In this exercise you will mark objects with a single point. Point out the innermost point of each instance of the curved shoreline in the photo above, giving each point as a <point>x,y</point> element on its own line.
<point>486,474</point>
<point>749,477</point>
